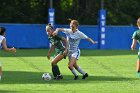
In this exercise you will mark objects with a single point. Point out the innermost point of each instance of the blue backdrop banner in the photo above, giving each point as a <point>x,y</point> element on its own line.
<point>102,28</point>
<point>34,36</point>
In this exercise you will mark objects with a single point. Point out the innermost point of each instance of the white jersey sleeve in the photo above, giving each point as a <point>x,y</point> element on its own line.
<point>1,39</point>
<point>67,31</point>
<point>82,35</point>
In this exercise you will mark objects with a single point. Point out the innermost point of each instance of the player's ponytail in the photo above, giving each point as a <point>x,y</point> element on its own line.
<point>2,30</point>
<point>50,25</point>
<point>138,22</point>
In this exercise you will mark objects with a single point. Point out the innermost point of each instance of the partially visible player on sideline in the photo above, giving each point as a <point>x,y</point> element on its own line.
<point>4,46</point>
<point>57,43</point>
<point>74,36</point>
<point>136,38</point>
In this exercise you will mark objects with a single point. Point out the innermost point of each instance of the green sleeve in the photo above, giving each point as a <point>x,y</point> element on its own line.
<point>58,37</point>
<point>135,36</point>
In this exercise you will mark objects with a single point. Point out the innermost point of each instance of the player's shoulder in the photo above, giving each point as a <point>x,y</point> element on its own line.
<point>80,32</point>
<point>2,37</point>
<point>137,31</point>
<point>67,29</point>
<point>58,36</point>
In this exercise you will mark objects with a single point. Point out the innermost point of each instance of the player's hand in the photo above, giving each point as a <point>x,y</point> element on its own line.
<point>55,33</point>
<point>48,56</point>
<point>65,52</point>
<point>13,50</point>
<point>132,47</point>
<point>95,42</point>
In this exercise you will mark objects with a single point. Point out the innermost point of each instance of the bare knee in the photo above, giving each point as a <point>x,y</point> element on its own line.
<point>53,63</point>
<point>70,66</point>
<point>76,66</point>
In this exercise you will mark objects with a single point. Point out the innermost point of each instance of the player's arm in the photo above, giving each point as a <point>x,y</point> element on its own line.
<point>92,41</point>
<point>134,42</point>
<point>58,30</point>
<point>5,47</point>
<point>83,36</point>
<point>50,51</point>
<point>66,45</point>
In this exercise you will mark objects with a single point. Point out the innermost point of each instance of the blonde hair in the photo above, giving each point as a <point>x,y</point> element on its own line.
<point>75,22</point>
<point>49,26</point>
<point>138,22</point>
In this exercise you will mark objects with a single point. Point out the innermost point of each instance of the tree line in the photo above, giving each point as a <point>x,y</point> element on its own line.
<point>119,12</point>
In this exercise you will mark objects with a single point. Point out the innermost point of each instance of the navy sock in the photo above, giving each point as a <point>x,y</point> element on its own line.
<point>55,70</point>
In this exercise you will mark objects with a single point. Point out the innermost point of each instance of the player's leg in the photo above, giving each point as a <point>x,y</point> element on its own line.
<point>138,66</point>
<point>77,55</point>
<point>71,67</point>
<point>55,68</point>
<point>80,70</point>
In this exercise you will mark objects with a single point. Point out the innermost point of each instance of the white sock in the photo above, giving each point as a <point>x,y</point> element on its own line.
<point>79,69</point>
<point>0,77</point>
<point>74,72</point>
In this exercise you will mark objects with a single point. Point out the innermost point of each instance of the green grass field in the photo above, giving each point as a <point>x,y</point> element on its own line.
<point>110,71</point>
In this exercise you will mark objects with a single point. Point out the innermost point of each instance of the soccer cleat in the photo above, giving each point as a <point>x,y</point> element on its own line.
<point>55,78</point>
<point>76,77</point>
<point>85,76</point>
<point>59,77</point>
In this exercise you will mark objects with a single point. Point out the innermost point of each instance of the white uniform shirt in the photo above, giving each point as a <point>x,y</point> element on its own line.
<point>1,39</point>
<point>74,39</point>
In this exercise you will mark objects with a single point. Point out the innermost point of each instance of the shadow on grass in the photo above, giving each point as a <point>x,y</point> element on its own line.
<point>43,52</point>
<point>22,77</point>
<point>107,52</point>
<point>6,91</point>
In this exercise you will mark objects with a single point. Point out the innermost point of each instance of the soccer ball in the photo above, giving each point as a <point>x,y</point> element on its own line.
<point>46,77</point>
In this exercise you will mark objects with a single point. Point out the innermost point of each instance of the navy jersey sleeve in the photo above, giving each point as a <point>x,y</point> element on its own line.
<point>58,37</point>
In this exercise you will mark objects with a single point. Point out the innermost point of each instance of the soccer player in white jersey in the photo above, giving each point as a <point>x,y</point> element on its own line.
<point>4,46</point>
<point>74,36</point>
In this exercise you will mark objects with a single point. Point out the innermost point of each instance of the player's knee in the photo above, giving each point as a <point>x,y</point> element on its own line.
<point>70,66</point>
<point>75,67</point>
<point>53,63</point>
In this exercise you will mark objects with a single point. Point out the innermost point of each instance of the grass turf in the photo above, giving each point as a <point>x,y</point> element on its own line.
<point>110,71</point>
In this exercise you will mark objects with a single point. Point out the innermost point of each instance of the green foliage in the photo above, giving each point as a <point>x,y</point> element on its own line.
<point>66,4</point>
<point>122,12</point>
<point>119,12</point>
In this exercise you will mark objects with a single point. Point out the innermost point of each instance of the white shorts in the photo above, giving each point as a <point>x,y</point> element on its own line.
<point>74,54</point>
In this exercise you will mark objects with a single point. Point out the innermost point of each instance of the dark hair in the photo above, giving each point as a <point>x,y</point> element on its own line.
<point>2,30</point>
<point>50,25</point>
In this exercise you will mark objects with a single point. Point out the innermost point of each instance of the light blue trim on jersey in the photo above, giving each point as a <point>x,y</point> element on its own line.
<point>78,53</point>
